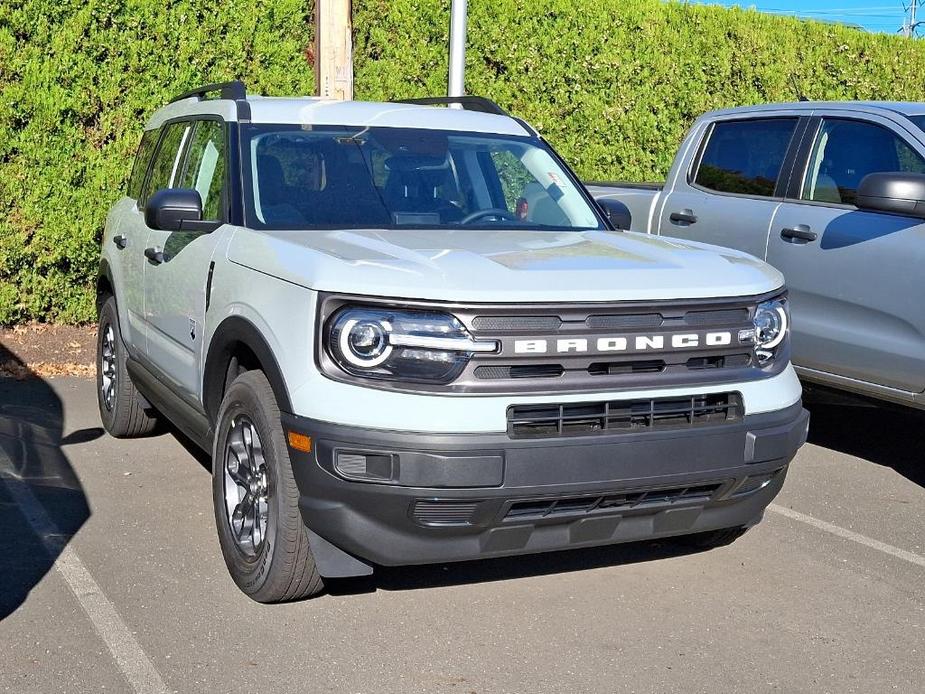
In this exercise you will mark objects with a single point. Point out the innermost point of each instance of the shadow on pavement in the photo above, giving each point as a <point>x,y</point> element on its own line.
<point>886,435</point>
<point>37,484</point>
<point>508,568</point>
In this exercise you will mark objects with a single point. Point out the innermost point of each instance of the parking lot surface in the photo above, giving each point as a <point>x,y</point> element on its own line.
<point>112,581</point>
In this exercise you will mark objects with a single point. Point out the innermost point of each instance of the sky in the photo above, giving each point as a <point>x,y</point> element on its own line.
<point>874,15</point>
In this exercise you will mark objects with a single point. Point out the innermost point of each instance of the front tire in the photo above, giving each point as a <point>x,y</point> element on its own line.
<point>260,529</point>
<point>123,411</point>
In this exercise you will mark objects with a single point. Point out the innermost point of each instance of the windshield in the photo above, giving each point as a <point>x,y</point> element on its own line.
<point>304,177</point>
<point>919,121</point>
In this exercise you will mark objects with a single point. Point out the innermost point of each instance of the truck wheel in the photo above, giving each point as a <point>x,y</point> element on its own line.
<point>122,409</point>
<point>712,538</point>
<point>260,530</point>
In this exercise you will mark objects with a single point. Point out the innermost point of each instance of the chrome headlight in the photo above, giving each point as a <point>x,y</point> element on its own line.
<point>401,344</point>
<point>772,328</point>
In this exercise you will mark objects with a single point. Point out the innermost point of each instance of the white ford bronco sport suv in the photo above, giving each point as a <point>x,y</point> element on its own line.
<point>406,335</point>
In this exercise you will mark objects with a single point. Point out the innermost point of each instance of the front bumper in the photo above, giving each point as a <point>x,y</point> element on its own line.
<point>455,497</point>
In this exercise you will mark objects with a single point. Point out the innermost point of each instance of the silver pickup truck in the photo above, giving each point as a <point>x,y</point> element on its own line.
<point>833,195</point>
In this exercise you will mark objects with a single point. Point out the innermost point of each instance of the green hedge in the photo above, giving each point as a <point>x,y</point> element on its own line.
<point>613,85</point>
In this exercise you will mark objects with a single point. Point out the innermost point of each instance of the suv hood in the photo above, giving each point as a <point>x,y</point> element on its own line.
<point>502,266</point>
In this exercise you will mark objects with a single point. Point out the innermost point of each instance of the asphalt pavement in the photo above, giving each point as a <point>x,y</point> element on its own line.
<point>111,580</point>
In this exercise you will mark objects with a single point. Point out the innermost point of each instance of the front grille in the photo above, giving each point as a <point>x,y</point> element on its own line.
<point>581,419</point>
<point>720,317</point>
<point>506,324</point>
<point>617,501</point>
<point>625,322</point>
<point>438,512</point>
<point>487,373</point>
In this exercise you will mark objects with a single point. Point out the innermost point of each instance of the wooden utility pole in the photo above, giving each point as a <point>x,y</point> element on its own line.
<point>334,49</point>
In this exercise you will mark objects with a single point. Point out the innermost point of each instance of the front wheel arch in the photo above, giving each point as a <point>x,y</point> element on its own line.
<point>236,338</point>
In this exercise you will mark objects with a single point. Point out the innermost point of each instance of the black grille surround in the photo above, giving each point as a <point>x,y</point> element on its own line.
<point>623,416</point>
<point>514,371</point>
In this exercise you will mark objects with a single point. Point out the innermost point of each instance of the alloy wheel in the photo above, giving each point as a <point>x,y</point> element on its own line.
<point>108,368</point>
<point>245,485</point>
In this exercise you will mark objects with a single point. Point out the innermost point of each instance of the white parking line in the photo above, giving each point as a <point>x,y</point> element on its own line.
<point>128,654</point>
<point>903,554</point>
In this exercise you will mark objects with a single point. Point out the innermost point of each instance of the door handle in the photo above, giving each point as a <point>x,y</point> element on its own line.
<point>801,233</point>
<point>155,255</point>
<point>119,240</point>
<point>683,217</point>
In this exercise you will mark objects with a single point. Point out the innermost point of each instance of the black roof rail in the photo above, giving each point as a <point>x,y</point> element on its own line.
<point>229,90</point>
<point>469,103</point>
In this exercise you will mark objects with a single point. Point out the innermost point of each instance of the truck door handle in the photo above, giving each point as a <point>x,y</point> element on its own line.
<point>798,234</point>
<point>119,240</point>
<point>155,255</point>
<point>683,217</point>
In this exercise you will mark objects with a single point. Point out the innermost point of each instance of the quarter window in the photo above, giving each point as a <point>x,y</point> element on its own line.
<point>846,151</point>
<point>205,166</point>
<point>745,157</point>
<point>142,159</point>
<point>167,159</point>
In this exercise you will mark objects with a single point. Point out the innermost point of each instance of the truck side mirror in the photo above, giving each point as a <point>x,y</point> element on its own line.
<point>617,212</point>
<point>174,209</point>
<point>893,192</point>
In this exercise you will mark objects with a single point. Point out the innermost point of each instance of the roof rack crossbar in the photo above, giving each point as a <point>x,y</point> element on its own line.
<point>228,90</point>
<point>469,103</point>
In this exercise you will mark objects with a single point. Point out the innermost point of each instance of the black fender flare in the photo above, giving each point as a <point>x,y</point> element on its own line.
<point>231,331</point>
<point>104,272</point>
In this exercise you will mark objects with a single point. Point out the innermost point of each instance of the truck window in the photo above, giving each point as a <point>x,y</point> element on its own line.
<point>745,156</point>
<point>166,161</point>
<point>205,166</point>
<point>845,151</point>
<point>919,121</point>
<point>142,159</point>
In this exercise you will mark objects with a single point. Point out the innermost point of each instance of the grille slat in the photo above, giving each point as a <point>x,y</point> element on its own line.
<point>577,419</point>
<point>615,501</point>
<point>440,512</point>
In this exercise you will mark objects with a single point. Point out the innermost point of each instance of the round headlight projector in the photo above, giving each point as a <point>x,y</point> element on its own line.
<point>365,343</point>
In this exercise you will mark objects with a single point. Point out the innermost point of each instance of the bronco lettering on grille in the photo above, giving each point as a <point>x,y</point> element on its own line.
<point>635,343</point>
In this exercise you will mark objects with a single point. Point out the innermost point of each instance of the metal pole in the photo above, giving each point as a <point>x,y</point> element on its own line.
<point>456,84</point>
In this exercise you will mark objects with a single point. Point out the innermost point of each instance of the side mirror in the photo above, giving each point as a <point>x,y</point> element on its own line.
<point>896,193</point>
<point>174,209</point>
<point>617,212</point>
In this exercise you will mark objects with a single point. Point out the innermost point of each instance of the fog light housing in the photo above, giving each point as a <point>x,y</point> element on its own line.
<point>365,467</point>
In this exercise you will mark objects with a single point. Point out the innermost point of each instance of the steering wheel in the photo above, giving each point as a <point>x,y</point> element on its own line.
<point>492,212</point>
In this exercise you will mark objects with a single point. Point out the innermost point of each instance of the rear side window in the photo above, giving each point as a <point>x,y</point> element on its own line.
<point>166,161</point>
<point>745,157</point>
<point>142,159</point>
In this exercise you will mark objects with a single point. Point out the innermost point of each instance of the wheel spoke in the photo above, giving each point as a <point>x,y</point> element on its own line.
<point>236,470</point>
<point>242,517</point>
<point>248,437</point>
